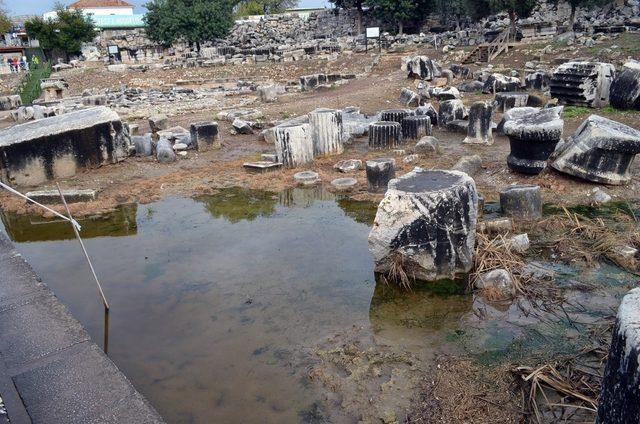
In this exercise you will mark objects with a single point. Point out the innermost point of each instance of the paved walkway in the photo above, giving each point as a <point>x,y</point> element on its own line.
<point>50,370</point>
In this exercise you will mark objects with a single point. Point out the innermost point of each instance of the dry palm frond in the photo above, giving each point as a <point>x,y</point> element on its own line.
<point>497,253</point>
<point>398,272</point>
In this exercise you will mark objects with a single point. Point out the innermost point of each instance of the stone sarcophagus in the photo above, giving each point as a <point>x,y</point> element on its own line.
<point>601,150</point>
<point>426,224</point>
<point>583,83</point>
<point>58,147</point>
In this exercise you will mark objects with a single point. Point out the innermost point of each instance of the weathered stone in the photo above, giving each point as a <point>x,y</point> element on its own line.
<point>426,224</point>
<point>205,135</point>
<point>582,83</point>
<point>538,80</point>
<point>10,102</point>
<point>344,184</point>
<point>270,93</point>
<point>430,111</point>
<point>165,152</point>
<point>599,196</point>
<point>515,113</point>
<point>241,127</point>
<point>262,166</point>
<point>510,100</point>
<point>385,135</point>
<point>520,243</point>
<point>625,88</point>
<point>53,196</point>
<point>601,150</point>
<point>306,178</point>
<point>409,98</point>
<point>458,125</point>
<point>58,147</point>
<point>471,86</point>
<point>427,144</point>
<point>620,398</point>
<point>348,165</point>
<point>479,129</point>
<point>522,202</point>
<point>533,137</point>
<point>498,82</point>
<point>496,226</point>
<point>143,144</point>
<point>294,145</point>
<point>158,123</point>
<point>379,173</point>
<point>415,127</point>
<point>421,67</point>
<point>395,115</point>
<point>447,93</point>
<point>451,110</point>
<point>98,100</point>
<point>496,284</point>
<point>326,132</point>
<point>468,164</point>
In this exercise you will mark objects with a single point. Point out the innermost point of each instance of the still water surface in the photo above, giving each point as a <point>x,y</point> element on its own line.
<point>213,299</point>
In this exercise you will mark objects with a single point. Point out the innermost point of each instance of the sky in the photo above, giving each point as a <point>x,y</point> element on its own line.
<point>37,7</point>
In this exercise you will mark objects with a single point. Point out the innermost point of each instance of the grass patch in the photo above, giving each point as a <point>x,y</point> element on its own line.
<point>576,111</point>
<point>29,89</point>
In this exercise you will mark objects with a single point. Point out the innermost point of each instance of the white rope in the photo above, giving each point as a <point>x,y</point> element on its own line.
<point>17,193</point>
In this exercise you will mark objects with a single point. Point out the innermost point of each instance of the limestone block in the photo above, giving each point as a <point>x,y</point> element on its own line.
<point>294,145</point>
<point>426,224</point>
<point>327,132</point>
<point>479,130</point>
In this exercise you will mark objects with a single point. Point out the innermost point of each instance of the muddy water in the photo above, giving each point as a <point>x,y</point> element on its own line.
<point>215,300</point>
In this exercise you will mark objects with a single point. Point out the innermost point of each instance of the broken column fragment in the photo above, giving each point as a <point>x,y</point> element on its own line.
<point>496,83</point>
<point>379,173</point>
<point>582,83</point>
<point>625,88</point>
<point>415,127</point>
<point>479,130</point>
<point>385,135</point>
<point>164,151</point>
<point>426,225</point>
<point>509,100</point>
<point>430,111</point>
<point>59,146</point>
<point>533,137</point>
<point>143,144</point>
<point>514,113</point>
<point>205,135</point>
<point>326,132</point>
<point>620,397</point>
<point>601,150</point>
<point>421,67</point>
<point>395,115</point>
<point>294,145</point>
<point>10,102</point>
<point>410,98</point>
<point>522,202</point>
<point>451,110</point>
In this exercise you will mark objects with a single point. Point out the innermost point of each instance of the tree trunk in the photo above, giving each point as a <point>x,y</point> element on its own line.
<point>512,19</point>
<point>359,14</point>
<point>572,17</point>
<point>400,28</point>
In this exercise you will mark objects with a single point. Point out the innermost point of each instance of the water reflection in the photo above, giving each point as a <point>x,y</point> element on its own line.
<point>30,228</point>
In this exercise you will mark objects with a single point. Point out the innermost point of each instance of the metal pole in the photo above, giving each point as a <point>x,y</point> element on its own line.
<point>93,272</point>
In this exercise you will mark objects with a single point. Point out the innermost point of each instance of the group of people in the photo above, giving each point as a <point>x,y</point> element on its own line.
<point>21,64</point>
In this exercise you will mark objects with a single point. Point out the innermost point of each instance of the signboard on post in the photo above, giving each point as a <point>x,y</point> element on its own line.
<point>113,49</point>
<point>373,32</point>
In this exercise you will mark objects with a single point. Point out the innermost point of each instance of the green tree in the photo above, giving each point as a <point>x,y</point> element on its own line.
<point>193,21</point>
<point>64,33</point>
<point>586,4</point>
<point>399,12</point>
<point>264,7</point>
<point>514,8</point>
<point>352,4</point>
<point>5,23</point>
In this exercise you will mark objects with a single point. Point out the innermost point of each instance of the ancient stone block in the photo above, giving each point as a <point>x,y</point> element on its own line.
<point>496,83</point>
<point>514,113</point>
<point>327,132</point>
<point>10,102</point>
<point>620,397</point>
<point>479,130</point>
<point>379,173</point>
<point>429,111</point>
<point>409,98</point>
<point>415,127</point>
<point>158,123</point>
<point>601,150</point>
<point>385,135</point>
<point>57,147</point>
<point>509,100</point>
<point>421,67</point>
<point>582,83</point>
<point>395,115</point>
<point>294,145</point>
<point>451,110</point>
<point>533,137</point>
<point>522,202</point>
<point>143,144</point>
<point>625,88</point>
<point>165,152</point>
<point>205,135</point>
<point>426,224</point>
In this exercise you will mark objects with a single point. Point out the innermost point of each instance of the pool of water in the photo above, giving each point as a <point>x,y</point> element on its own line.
<point>214,300</point>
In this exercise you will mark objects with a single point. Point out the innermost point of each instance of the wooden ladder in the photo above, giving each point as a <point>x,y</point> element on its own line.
<point>488,52</point>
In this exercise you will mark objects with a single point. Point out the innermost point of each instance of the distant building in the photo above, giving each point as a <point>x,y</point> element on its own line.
<point>98,8</point>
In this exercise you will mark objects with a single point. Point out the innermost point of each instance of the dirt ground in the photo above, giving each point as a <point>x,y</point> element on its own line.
<point>143,180</point>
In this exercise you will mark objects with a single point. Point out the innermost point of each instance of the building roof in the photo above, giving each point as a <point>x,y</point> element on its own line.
<point>84,4</point>
<point>118,21</point>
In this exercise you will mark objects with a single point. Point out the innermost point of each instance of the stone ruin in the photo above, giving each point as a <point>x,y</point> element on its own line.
<point>582,83</point>
<point>58,147</point>
<point>601,150</point>
<point>625,88</point>
<point>426,225</point>
<point>421,67</point>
